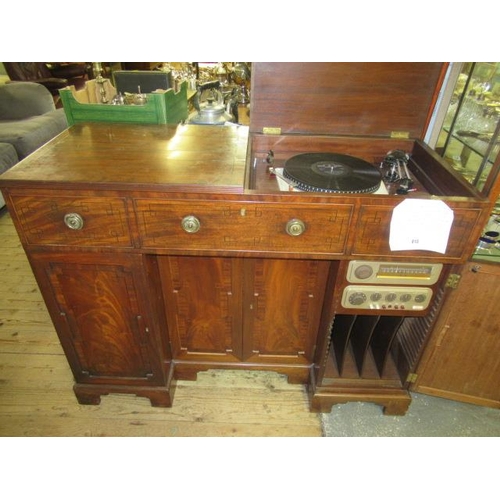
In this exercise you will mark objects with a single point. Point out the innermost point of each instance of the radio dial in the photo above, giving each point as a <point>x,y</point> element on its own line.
<point>363,272</point>
<point>375,296</point>
<point>357,298</point>
<point>406,297</point>
<point>420,298</point>
<point>390,297</point>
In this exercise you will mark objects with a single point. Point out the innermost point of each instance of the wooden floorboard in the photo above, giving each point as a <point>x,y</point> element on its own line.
<point>37,399</point>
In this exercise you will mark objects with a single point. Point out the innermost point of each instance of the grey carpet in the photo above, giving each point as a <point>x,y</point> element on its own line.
<point>427,416</point>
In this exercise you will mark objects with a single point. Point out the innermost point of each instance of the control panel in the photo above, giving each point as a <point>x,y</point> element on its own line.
<point>394,273</point>
<point>391,298</point>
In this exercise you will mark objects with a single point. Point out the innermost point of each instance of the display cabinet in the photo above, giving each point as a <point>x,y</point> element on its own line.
<point>470,137</point>
<point>469,140</point>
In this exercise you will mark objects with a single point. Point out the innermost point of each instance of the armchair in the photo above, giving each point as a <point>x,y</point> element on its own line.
<point>77,73</point>
<point>53,76</point>
<point>36,72</point>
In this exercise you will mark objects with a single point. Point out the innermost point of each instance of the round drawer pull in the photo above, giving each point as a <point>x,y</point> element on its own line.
<point>295,227</point>
<point>190,224</point>
<point>73,221</point>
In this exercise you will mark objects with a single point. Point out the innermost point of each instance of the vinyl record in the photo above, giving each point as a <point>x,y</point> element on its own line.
<point>332,173</point>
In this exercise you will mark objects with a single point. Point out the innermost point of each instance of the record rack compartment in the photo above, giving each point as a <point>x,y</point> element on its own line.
<point>371,358</point>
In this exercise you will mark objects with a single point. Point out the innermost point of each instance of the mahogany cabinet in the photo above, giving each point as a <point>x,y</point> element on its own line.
<point>462,361</point>
<point>165,250</point>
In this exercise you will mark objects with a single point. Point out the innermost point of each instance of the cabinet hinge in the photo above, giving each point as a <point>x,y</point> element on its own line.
<point>453,280</point>
<point>271,130</point>
<point>411,378</point>
<point>400,134</point>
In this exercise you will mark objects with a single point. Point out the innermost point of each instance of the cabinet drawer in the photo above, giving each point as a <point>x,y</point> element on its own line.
<point>246,226</point>
<point>73,221</point>
<point>373,232</point>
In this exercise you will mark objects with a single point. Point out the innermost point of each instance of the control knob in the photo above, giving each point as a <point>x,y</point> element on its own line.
<point>357,298</point>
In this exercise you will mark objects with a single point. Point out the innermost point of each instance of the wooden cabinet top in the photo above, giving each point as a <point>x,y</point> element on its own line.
<point>183,157</point>
<point>198,162</point>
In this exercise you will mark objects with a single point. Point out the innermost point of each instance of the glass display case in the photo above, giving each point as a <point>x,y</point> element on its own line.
<point>469,139</point>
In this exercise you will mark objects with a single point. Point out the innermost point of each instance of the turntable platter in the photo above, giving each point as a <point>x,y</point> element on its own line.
<point>332,173</point>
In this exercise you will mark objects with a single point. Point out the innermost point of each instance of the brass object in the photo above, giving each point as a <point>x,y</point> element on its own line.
<point>73,221</point>
<point>400,134</point>
<point>295,227</point>
<point>190,224</point>
<point>100,80</point>
<point>453,280</point>
<point>271,130</point>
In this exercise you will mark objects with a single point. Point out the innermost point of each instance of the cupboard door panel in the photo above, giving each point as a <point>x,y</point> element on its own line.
<point>101,317</point>
<point>461,361</point>
<point>282,309</point>
<point>203,303</point>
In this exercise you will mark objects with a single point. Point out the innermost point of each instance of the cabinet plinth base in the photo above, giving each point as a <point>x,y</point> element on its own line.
<point>394,401</point>
<point>88,394</point>
<point>185,370</point>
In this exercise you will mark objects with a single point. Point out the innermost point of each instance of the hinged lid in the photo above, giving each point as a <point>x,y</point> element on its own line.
<point>354,99</point>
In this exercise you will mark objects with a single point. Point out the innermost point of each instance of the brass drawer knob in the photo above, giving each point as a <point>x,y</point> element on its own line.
<point>295,227</point>
<point>73,221</point>
<point>190,224</point>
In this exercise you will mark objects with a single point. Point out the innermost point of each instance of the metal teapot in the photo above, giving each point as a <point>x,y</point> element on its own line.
<point>209,105</point>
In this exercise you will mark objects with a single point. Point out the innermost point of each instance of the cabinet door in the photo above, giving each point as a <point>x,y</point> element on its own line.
<point>203,304</point>
<point>282,308</point>
<point>99,305</point>
<point>263,311</point>
<point>462,359</point>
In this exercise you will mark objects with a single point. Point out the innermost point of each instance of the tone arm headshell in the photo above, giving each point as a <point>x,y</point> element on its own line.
<point>396,165</point>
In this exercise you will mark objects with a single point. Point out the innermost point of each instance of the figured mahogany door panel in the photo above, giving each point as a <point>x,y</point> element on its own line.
<point>283,303</point>
<point>74,221</point>
<point>462,360</point>
<point>203,305</point>
<point>100,308</point>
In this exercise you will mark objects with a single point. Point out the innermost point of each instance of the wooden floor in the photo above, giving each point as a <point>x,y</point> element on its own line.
<point>36,396</point>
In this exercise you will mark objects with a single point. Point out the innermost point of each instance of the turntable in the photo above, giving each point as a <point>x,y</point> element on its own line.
<point>329,173</point>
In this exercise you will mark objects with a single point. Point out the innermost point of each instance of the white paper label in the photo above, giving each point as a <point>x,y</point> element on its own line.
<point>421,225</point>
